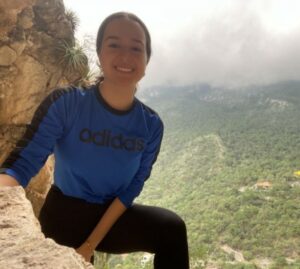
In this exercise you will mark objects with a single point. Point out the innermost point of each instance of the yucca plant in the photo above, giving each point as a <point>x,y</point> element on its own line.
<point>73,18</point>
<point>86,79</point>
<point>73,57</point>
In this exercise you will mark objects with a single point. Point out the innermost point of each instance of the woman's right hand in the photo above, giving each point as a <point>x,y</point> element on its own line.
<point>6,180</point>
<point>85,251</point>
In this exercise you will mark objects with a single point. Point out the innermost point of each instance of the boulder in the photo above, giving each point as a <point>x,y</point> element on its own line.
<point>7,56</point>
<point>22,244</point>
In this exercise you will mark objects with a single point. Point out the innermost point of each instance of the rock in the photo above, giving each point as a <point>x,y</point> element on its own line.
<point>25,93</point>
<point>18,47</point>
<point>39,186</point>
<point>7,56</point>
<point>9,10</point>
<point>31,34</point>
<point>15,4</point>
<point>50,17</point>
<point>7,22</point>
<point>9,135</point>
<point>23,245</point>
<point>30,68</point>
<point>25,18</point>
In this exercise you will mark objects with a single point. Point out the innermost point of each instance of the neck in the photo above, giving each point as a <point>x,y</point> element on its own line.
<point>118,97</point>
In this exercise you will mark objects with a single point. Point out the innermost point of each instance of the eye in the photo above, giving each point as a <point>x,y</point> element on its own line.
<point>136,49</point>
<point>113,45</point>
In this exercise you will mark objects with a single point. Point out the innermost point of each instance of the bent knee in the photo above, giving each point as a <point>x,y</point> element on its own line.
<point>174,224</point>
<point>179,224</point>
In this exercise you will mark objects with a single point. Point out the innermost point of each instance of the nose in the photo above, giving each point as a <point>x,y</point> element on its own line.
<point>125,54</point>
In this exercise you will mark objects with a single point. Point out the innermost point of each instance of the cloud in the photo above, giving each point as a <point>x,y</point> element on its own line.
<point>229,43</point>
<point>232,48</point>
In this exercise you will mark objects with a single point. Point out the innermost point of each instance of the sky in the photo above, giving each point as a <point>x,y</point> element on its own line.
<point>225,43</point>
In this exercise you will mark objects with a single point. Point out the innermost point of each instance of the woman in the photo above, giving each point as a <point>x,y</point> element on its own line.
<point>105,142</point>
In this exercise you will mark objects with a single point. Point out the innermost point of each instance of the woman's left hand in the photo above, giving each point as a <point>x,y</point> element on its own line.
<point>85,251</point>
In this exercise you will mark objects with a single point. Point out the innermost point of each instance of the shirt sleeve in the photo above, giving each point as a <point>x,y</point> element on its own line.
<point>31,152</point>
<point>148,159</point>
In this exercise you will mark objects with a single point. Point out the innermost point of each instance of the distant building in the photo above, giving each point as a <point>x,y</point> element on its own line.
<point>263,185</point>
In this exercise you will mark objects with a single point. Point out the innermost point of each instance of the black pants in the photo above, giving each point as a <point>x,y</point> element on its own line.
<point>69,221</point>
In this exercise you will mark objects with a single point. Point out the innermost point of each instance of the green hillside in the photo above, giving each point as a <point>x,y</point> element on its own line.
<point>227,167</point>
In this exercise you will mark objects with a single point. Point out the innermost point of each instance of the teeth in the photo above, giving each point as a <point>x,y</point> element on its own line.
<point>124,69</point>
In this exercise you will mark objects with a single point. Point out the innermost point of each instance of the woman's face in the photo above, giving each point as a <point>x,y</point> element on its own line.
<point>123,56</point>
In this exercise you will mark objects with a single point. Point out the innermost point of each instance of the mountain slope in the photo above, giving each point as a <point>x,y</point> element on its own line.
<point>226,166</point>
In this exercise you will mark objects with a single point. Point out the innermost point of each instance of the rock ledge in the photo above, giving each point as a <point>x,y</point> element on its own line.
<point>22,244</point>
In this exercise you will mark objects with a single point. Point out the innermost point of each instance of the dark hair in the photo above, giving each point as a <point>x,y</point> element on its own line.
<point>125,15</point>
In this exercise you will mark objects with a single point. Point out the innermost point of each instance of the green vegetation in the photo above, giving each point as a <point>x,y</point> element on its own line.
<point>74,57</point>
<point>218,145</point>
<point>73,18</point>
<point>75,62</point>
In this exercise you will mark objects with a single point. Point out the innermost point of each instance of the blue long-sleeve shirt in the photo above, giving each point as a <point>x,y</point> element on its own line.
<point>100,153</point>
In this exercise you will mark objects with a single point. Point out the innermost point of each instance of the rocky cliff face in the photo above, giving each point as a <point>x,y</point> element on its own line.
<point>31,35</point>
<point>34,37</point>
<point>22,244</point>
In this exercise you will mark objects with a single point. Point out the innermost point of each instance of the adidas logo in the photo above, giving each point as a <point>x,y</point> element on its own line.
<point>106,139</point>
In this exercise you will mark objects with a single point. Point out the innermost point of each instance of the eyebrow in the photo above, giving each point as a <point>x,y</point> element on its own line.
<point>117,38</point>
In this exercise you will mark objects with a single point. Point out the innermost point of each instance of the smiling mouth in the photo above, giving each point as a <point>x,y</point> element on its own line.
<point>124,69</point>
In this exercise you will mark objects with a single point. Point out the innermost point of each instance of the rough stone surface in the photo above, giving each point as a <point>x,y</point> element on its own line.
<point>39,186</point>
<point>31,31</point>
<point>26,93</point>
<point>25,19</point>
<point>30,68</point>
<point>18,47</point>
<point>28,55</point>
<point>31,36</point>
<point>15,4</point>
<point>22,244</point>
<point>9,10</point>
<point>7,56</point>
